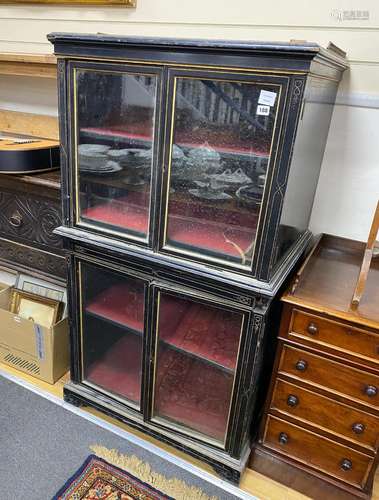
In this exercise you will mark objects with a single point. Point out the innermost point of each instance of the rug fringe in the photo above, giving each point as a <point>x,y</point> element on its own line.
<point>172,487</point>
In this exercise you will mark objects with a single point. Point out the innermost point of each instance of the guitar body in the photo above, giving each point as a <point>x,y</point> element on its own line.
<point>27,155</point>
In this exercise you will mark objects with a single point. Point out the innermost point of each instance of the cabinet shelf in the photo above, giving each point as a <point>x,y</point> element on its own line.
<point>199,333</point>
<point>121,305</point>
<point>202,332</point>
<point>169,345</point>
<point>117,324</point>
<point>185,143</point>
<point>120,213</point>
<point>197,357</point>
<point>219,239</point>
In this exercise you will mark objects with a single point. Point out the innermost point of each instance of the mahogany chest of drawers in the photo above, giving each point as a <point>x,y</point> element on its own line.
<point>322,412</point>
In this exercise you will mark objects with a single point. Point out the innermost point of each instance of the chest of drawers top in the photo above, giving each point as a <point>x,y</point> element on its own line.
<point>47,184</point>
<point>327,281</point>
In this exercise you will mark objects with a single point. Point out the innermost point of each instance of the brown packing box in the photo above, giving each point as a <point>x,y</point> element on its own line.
<point>39,351</point>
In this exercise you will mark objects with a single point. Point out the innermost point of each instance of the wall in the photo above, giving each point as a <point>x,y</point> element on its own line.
<point>349,181</point>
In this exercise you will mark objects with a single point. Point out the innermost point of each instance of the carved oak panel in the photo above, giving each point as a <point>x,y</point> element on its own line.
<point>28,257</point>
<point>30,220</point>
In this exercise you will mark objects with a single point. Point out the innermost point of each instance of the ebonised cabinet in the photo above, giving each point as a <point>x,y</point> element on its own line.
<point>189,174</point>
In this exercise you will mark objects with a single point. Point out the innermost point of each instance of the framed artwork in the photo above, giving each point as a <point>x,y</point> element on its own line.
<point>37,286</point>
<point>41,310</point>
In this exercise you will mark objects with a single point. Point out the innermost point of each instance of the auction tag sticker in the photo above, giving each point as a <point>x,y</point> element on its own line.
<point>266,97</point>
<point>39,341</point>
<point>263,110</point>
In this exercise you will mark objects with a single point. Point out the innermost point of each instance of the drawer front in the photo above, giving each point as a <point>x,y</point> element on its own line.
<point>349,382</point>
<point>324,412</point>
<point>322,331</point>
<point>318,452</point>
<point>30,219</point>
<point>22,256</point>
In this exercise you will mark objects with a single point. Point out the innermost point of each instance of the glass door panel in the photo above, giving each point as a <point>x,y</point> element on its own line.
<point>197,354</point>
<point>221,146</point>
<point>115,119</point>
<point>112,331</point>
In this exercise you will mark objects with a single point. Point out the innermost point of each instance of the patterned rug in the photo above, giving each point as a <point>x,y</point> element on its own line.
<point>98,480</point>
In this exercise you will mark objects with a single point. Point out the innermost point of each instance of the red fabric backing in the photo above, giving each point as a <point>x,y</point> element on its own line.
<point>122,304</point>
<point>127,212</point>
<point>183,140</point>
<point>192,393</point>
<point>119,370</point>
<point>219,238</point>
<point>217,231</point>
<point>207,331</point>
<point>187,390</point>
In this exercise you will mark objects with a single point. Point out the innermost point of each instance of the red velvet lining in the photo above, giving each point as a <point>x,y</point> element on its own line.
<point>121,212</point>
<point>119,370</point>
<point>222,237</point>
<point>192,393</point>
<point>122,304</point>
<point>183,140</point>
<point>218,238</point>
<point>202,330</point>
<point>187,391</point>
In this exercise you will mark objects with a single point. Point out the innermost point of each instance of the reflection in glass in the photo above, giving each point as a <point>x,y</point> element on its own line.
<point>115,128</point>
<point>113,325</point>
<point>196,361</point>
<point>219,159</point>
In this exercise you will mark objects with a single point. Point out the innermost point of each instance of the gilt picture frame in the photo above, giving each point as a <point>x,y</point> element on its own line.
<point>36,286</point>
<point>41,310</point>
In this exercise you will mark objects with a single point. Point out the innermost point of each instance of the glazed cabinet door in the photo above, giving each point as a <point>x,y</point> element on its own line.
<point>195,351</point>
<point>220,145</point>
<point>112,331</point>
<point>116,115</point>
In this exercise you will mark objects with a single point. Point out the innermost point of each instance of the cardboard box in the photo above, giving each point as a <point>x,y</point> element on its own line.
<point>39,351</point>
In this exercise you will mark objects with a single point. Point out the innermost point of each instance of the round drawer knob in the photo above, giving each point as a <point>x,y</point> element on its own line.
<point>301,365</point>
<point>312,328</point>
<point>15,219</point>
<point>292,400</point>
<point>358,428</point>
<point>346,464</point>
<point>371,391</point>
<point>283,438</point>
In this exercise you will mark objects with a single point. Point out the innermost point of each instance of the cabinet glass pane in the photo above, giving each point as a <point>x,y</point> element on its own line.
<point>115,130</point>
<point>112,331</point>
<point>220,153</point>
<point>196,361</point>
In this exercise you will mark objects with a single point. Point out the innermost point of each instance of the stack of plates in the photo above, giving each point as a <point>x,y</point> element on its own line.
<point>132,157</point>
<point>93,159</point>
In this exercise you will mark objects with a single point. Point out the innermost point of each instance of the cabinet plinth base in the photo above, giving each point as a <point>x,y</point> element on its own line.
<point>224,465</point>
